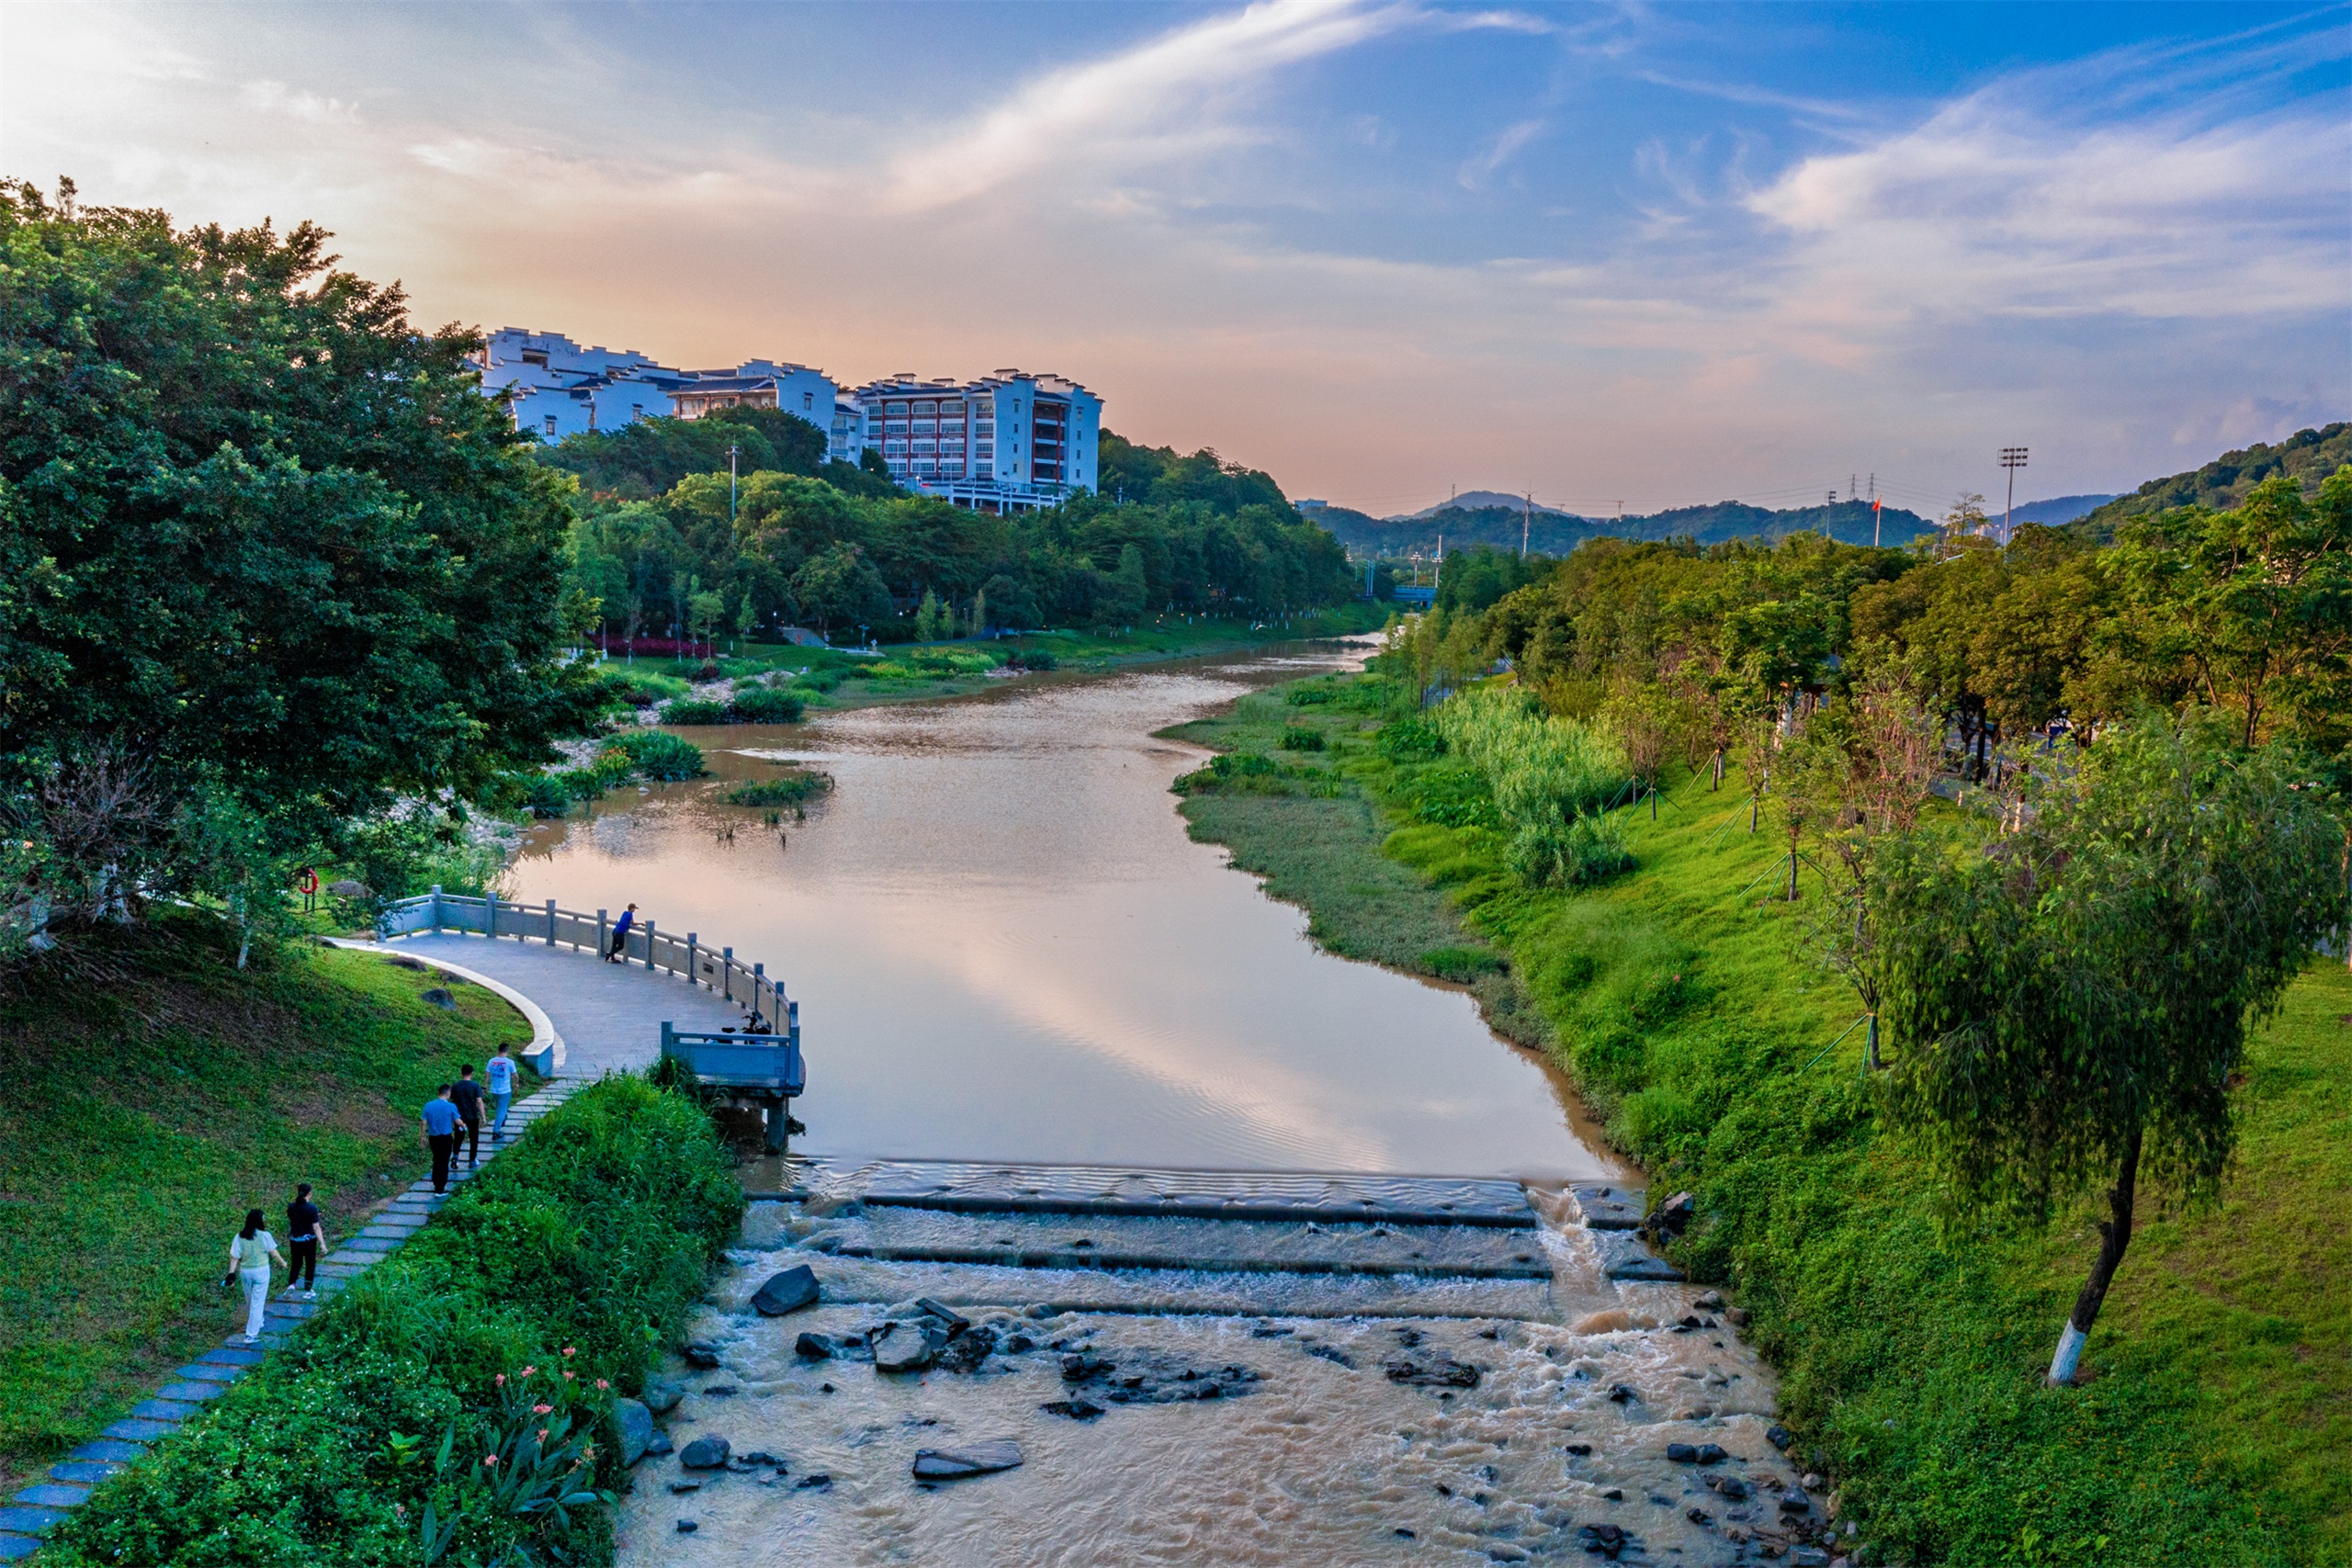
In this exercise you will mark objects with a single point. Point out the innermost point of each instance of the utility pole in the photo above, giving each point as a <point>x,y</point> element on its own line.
<point>731,450</point>
<point>1526,520</point>
<point>2012,458</point>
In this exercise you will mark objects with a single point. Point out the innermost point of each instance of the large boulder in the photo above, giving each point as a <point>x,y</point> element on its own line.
<point>347,889</point>
<point>959,1465</point>
<point>661,1395</point>
<point>634,1425</point>
<point>787,1291</point>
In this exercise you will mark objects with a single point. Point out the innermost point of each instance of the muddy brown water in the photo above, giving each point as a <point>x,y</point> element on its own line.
<point>1006,948</point>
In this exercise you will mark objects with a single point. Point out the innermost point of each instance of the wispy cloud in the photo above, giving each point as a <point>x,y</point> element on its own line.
<point>1158,101</point>
<point>276,98</point>
<point>1475,174</point>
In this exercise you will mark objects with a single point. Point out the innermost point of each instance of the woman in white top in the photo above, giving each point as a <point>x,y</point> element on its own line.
<point>249,1254</point>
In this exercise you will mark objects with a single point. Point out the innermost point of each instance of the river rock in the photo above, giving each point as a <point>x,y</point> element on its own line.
<point>705,1453</point>
<point>1731,1486</point>
<point>958,1464</point>
<point>1777,1436</point>
<point>659,1445</point>
<point>904,1347</point>
<point>699,1354</point>
<point>1682,1453</point>
<point>1076,1409</point>
<point>441,998</point>
<point>1622,1393</point>
<point>966,1350</point>
<point>1710,1300</point>
<point>661,1395</point>
<point>787,1291</point>
<point>1672,1217</point>
<point>1435,1371</point>
<point>634,1425</point>
<point>1711,1454</point>
<point>954,1321</point>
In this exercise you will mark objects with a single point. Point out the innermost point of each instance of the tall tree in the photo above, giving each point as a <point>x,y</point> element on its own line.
<point>2068,1002</point>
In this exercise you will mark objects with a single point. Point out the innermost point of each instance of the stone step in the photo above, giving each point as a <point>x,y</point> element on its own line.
<point>83,1472</point>
<point>108,1450</point>
<point>17,1548</point>
<point>191,1392</point>
<point>52,1495</point>
<point>136,1430</point>
<point>967,1188</point>
<point>172,1410</point>
<point>29,1522</point>
<point>1605,1206</point>
<point>1181,1242</point>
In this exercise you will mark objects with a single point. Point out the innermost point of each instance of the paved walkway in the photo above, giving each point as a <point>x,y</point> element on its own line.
<point>610,1015</point>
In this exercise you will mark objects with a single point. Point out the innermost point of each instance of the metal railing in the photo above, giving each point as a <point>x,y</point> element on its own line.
<point>748,986</point>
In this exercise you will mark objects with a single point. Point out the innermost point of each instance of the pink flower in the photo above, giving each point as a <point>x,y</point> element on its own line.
<point>567,1377</point>
<point>542,1409</point>
<point>602,1384</point>
<point>528,1370</point>
<point>543,1433</point>
<point>567,1349</point>
<point>488,1460</point>
<point>502,1380</point>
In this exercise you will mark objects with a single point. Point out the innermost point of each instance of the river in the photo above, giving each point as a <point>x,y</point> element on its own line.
<point>1005,947</point>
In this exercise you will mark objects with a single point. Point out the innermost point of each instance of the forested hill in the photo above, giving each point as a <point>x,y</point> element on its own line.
<point>1556,532</point>
<point>2307,457</point>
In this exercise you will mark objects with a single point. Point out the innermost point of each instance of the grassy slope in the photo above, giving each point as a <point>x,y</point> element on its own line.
<point>2215,1429</point>
<point>138,1122</point>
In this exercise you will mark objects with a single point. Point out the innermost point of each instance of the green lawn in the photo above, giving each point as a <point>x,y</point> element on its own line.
<point>146,1105</point>
<point>2215,1427</point>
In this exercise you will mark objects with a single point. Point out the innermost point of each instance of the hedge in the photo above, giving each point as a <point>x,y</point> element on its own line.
<point>453,1404</point>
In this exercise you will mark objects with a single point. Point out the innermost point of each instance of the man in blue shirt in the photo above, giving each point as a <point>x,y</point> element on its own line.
<point>619,954</point>
<point>441,1135</point>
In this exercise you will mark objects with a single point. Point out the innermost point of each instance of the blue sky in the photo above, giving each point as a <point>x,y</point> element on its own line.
<point>1650,254</point>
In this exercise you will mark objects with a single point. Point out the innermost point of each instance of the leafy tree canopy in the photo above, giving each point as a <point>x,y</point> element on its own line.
<point>258,536</point>
<point>646,457</point>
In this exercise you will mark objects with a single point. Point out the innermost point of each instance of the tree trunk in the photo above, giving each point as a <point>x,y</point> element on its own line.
<point>2114,1235</point>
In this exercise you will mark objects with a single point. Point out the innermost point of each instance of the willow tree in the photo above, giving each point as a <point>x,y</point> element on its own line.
<point>2068,1001</point>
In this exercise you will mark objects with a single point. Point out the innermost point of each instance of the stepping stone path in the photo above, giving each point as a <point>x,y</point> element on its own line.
<point>34,1511</point>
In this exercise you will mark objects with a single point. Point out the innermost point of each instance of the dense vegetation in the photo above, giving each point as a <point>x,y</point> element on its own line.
<point>1557,533</point>
<point>267,560</point>
<point>138,1119</point>
<point>2307,457</point>
<point>706,558</point>
<point>454,1404</point>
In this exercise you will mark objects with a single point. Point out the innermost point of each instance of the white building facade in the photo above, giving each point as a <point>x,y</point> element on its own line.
<point>1010,441</point>
<point>557,388</point>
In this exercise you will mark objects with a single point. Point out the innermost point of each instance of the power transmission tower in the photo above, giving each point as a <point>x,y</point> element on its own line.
<point>1850,486</point>
<point>2012,458</point>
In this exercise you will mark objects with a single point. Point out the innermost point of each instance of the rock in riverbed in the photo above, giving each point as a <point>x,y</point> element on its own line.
<point>904,1347</point>
<point>959,1465</point>
<point>705,1453</point>
<point>1436,1370</point>
<point>661,1395</point>
<point>787,1291</point>
<point>634,1423</point>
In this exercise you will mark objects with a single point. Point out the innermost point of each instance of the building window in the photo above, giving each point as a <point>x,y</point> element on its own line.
<point>926,408</point>
<point>550,425</point>
<point>808,400</point>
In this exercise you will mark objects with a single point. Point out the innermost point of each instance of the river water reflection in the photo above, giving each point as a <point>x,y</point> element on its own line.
<point>1005,947</point>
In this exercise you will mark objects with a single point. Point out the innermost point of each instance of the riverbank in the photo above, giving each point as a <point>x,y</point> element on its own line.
<point>141,1114</point>
<point>2214,1428</point>
<point>828,678</point>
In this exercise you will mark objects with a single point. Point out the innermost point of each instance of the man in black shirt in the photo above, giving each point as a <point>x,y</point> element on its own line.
<point>466,1095</point>
<point>306,1232</point>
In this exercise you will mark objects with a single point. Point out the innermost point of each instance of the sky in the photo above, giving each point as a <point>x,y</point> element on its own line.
<point>1637,255</point>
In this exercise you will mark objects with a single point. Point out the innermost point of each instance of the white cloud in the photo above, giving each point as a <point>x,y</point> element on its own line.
<point>276,98</point>
<point>1476,172</point>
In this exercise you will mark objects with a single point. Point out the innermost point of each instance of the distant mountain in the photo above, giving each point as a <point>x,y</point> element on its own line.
<point>2059,510</point>
<point>1479,500</point>
<point>2307,457</point>
<point>1557,533</point>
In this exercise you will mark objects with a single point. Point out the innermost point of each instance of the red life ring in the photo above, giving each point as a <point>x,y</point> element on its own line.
<point>306,881</point>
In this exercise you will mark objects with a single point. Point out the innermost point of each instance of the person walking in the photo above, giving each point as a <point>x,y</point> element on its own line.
<point>249,1254</point>
<point>466,1095</point>
<point>619,954</point>
<point>308,1238</point>
<point>501,1073</point>
<point>440,1118</point>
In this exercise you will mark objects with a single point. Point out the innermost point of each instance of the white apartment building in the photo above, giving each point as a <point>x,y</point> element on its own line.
<point>1010,441</point>
<point>556,388</point>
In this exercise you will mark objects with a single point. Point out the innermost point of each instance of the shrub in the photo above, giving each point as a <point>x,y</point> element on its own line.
<point>694,710</point>
<point>1228,768</point>
<point>766,704</point>
<point>1411,740</point>
<point>1575,854</point>
<point>659,755</point>
<point>1308,696</point>
<point>1298,737</point>
<point>551,1280</point>
<point>1032,659</point>
<point>1460,964</point>
<point>792,789</point>
<point>547,795</point>
<point>1452,796</point>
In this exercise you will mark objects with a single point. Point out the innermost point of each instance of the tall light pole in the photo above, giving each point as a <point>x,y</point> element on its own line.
<point>2012,458</point>
<point>731,450</point>
<point>1526,519</point>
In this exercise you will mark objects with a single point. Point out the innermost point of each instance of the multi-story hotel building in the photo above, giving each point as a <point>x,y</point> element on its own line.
<point>555,389</point>
<point>1011,441</point>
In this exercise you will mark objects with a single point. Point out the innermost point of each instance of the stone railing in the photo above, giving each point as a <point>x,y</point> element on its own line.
<point>747,985</point>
